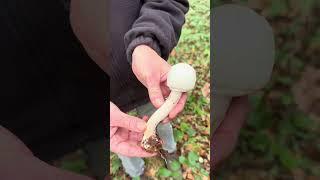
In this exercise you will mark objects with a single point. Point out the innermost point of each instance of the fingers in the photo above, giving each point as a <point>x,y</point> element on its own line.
<point>155,92</point>
<point>128,148</point>
<point>145,118</point>
<point>113,130</point>
<point>165,90</point>
<point>166,120</point>
<point>129,122</point>
<point>229,130</point>
<point>134,136</point>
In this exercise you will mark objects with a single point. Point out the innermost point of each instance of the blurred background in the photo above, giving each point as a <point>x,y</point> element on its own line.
<point>281,139</point>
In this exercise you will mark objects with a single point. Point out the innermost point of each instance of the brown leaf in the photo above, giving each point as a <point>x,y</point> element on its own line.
<point>202,153</point>
<point>257,4</point>
<point>206,89</point>
<point>173,53</point>
<point>185,137</point>
<point>205,132</point>
<point>189,147</point>
<point>306,92</point>
<point>298,174</point>
<point>189,176</point>
<point>312,178</point>
<point>190,61</point>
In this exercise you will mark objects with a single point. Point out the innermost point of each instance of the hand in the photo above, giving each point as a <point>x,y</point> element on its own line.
<point>151,70</point>
<point>225,137</point>
<point>126,133</point>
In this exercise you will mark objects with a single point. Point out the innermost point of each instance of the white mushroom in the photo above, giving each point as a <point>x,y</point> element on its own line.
<point>181,78</point>
<point>243,55</point>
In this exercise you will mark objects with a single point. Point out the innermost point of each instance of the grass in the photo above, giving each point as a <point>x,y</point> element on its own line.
<point>281,137</point>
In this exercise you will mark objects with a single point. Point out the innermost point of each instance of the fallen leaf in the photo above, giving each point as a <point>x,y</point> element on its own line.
<point>206,89</point>
<point>306,92</point>
<point>298,174</point>
<point>173,53</point>
<point>190,176</point>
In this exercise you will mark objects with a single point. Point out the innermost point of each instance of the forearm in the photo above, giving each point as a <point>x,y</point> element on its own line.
<point>18,162</point>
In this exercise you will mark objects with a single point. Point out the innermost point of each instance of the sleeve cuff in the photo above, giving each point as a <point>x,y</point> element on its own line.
<point>141,40</point>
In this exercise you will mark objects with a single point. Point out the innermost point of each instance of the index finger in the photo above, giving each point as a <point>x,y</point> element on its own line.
<point>130,149</point>
<point>129,122</point>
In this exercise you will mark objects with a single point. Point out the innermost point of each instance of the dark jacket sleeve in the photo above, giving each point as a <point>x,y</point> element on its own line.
<point>158,26</point>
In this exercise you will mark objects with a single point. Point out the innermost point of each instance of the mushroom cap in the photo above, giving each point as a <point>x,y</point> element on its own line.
<point>181,77</point>
<point>243,50</point>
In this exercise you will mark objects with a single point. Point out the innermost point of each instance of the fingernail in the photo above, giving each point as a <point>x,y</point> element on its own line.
<point>141,126</point>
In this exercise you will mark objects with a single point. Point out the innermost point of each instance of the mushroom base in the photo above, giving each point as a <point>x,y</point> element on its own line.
<point>152,144</point>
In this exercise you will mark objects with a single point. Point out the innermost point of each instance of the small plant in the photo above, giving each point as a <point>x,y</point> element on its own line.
<point>191,162</point>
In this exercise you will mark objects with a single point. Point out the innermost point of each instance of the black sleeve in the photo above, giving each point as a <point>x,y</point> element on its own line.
<point>158,26</point>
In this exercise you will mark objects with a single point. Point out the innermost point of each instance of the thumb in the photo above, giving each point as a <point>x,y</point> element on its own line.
<point>155,93</point>
<point>130,122</point>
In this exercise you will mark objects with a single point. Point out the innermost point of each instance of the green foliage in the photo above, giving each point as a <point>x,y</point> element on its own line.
<point>193,158</point>
<point>164,172</point>
<point>115,164</point>
<point>285,156</point>
<point>191,161</point>
<point>307,5</point>
<point>178,135</point>
<point>175,166</point>
<point>174,171</point>
<point>195,36</point>
<point>188,129</point>
<point>278,8</point>
<point>77,166</point>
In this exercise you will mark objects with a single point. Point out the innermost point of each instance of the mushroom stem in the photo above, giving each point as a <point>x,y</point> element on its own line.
<point>161,113</point>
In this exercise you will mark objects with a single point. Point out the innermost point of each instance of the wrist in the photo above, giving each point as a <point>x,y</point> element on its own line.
<point>143,42</point>
<point>140,49</point>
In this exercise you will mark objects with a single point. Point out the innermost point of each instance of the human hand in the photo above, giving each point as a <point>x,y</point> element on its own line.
<point>151,70</point>
<point>126,133</point>
<point>226,135</point>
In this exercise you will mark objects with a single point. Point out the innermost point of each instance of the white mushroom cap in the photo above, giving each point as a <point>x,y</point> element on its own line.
<point>243,50</point>
<point>181,77</point>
